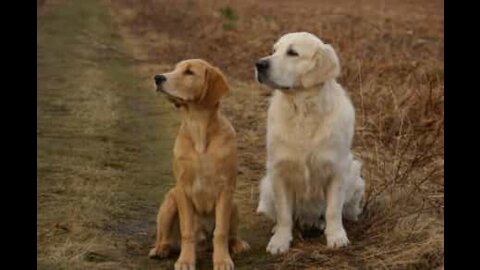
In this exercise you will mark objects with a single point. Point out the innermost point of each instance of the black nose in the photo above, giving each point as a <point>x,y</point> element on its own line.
<point>159,79</point>
<point>262,64</point>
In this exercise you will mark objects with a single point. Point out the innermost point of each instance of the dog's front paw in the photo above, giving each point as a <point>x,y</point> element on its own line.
<point>161,251</point>
<point>280,242</point>
<point>223,264</point>
<point>337,238</point>
<point>184,264</point>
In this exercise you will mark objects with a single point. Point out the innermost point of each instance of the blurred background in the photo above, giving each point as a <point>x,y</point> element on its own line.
<point>105,137</point>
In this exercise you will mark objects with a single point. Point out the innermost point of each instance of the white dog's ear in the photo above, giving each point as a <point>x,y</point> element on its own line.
<point>325,66</point>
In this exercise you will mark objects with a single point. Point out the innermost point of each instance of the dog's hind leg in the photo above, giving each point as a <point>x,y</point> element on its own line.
<point>236,244</point>
<point>353,208</point>
<point>167,228</point>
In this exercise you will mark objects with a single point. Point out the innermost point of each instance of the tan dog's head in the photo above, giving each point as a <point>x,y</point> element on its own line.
<point>299,60</point>
<point>193,81</point>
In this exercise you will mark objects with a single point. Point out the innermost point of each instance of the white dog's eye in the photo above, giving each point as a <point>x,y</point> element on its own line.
<point>291,52</point>
<point>188,72</point>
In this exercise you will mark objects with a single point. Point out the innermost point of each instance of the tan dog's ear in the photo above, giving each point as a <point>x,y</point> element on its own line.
<point>325,66</point>
<point>215,87</point>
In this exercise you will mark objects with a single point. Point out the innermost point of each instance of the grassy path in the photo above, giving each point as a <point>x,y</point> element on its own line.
<point>104,144</point>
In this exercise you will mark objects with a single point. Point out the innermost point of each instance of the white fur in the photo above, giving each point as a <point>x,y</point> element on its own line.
<point>310,169</point>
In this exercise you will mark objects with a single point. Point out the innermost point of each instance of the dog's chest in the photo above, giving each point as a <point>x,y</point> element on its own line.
<point>300,133</point>
<point>206,184</point>
<point>299,125</point>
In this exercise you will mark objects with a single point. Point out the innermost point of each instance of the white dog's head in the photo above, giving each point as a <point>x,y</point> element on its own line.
<point>299,60</point>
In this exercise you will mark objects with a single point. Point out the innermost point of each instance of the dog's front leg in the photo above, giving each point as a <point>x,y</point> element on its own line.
<point>186,260</point>
<point>280,241</point>
<point>334,231</point>
<point>223,211</point>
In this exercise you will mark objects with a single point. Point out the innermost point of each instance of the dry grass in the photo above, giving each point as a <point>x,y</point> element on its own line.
<point>392,60</point>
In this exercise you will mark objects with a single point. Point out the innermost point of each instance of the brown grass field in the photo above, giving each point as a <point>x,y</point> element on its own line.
<point>105,139</point>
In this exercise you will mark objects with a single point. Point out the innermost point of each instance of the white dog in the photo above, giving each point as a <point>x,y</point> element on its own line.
<point>311,177</point>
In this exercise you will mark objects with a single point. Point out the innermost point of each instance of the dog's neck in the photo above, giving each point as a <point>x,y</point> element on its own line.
<point>196,121</point>
<point>303,92</point>
<point>302,98</point>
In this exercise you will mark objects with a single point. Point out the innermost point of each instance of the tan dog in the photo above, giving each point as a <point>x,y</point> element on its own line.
<point>204,166</point>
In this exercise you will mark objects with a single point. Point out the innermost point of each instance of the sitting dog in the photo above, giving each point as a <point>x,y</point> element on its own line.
<point>204,166</point>
<point>311,175</point>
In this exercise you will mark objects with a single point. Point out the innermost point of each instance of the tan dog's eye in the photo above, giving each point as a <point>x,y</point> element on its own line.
<point>291,52</point>
<point>188,72</point>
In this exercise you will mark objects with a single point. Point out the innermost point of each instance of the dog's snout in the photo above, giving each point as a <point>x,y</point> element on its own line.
<point>262,64</point>
<point>159,79</point>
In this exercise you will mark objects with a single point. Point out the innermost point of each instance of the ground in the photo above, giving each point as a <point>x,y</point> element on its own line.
<point>105,138</point>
